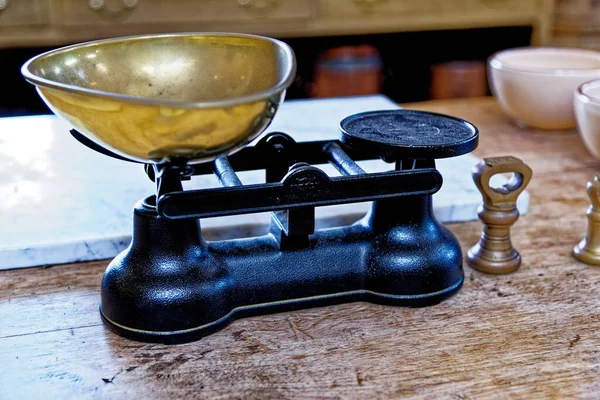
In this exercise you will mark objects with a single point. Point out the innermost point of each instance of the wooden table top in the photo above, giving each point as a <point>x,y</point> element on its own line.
<point>533,333</point>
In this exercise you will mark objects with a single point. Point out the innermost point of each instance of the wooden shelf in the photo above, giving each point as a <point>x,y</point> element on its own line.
<point>27,23</point>
<point>577,24</point>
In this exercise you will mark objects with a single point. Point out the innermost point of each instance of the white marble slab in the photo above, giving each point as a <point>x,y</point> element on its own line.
<point>61,202</point>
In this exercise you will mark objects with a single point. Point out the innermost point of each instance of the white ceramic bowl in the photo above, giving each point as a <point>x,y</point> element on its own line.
<point>586,104</point>
<point>535,85</point>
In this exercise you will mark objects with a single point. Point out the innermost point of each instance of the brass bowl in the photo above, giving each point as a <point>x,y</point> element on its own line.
<point>156,97</point>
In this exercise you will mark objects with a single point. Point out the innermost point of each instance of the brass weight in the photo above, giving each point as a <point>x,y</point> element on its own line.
<point>588,250</point>
<point>494,253</point>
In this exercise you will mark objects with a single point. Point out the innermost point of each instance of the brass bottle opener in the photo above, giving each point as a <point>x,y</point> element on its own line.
<point>588,250</point>
<point>494,253</point>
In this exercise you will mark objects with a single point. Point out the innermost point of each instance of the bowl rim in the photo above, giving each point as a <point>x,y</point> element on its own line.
<point>281,85</point>
<point>586,97</point>
<point>496,63</point>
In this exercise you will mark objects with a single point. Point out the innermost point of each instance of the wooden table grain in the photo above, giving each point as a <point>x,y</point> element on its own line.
<point>531,334</point>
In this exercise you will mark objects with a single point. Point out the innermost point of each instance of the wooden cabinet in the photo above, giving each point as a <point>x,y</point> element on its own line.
<point>577,24</point>
<point>514,5</point>
<point>59,22</point>
<point>392,8</point>
<point>26,13</point>
<point>374,9</point>
<point>110,12</point>
<point>370,16</point>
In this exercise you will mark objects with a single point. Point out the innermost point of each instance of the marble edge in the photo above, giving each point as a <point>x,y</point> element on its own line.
<point>104,248</point>
<point>108,248</point>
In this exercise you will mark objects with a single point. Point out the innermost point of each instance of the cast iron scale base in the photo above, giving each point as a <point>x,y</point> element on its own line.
<point>173,286</point>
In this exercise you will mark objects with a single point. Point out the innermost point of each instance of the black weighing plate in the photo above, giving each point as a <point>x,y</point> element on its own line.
<point>408,134</point>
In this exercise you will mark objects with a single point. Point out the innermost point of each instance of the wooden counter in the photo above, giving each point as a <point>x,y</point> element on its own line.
<point>531,334</point>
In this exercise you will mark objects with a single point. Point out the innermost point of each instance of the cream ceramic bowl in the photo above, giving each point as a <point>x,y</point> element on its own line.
<point>535,85</point>
<point>587,112</point>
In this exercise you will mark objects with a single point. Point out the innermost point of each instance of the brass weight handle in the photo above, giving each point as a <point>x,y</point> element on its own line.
<point>593,191</point>
<point>588,249</point>
<point>504,197</point>
<point>113,15</point>
<point>494,253</point>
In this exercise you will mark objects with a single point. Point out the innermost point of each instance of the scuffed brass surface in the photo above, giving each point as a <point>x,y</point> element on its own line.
<point>588,249</point>
<point>151,132</point>
<point>155,97</point>
<point>494,253</point>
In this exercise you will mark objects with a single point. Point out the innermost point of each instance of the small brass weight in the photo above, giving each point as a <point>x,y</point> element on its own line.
<point>588,250</point>
<point>494,253</point>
